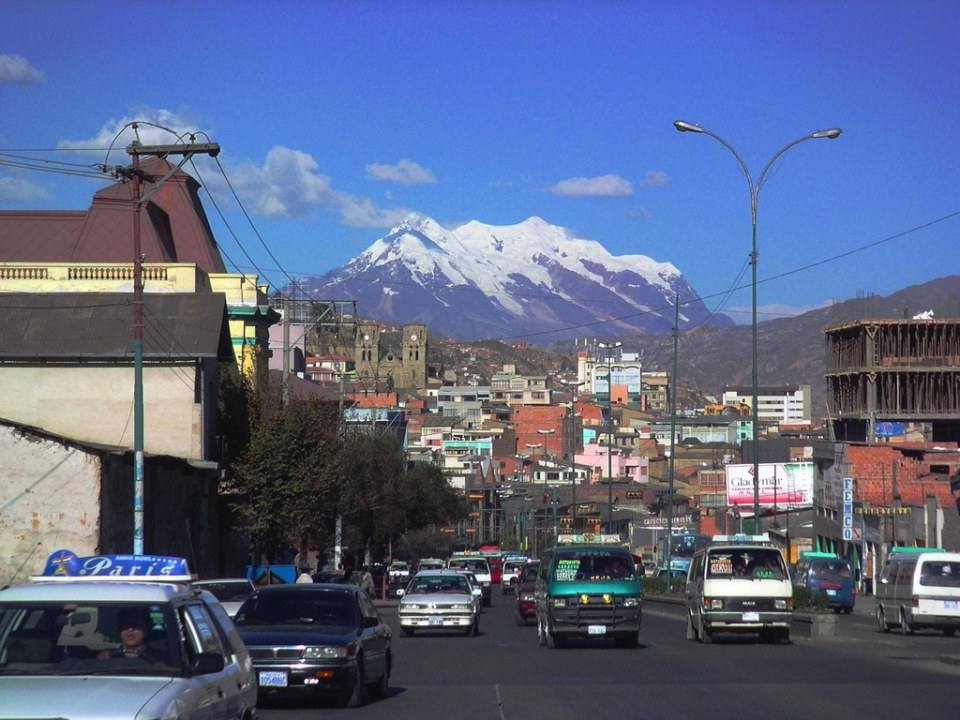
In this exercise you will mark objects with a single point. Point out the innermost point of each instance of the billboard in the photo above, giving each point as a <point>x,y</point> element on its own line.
<point>782,486</point>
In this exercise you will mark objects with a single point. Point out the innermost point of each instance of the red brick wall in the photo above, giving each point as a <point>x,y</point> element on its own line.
<point>872,469</point>
<point>528,419</point>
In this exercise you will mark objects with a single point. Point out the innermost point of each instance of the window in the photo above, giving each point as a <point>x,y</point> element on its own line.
<point>202,631</point>
<point>940,573</point>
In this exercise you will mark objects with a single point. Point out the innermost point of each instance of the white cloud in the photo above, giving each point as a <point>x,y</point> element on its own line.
<point>287,184</point>
<point>600,186</point>
<point>16,70</point>
<point>656,178</point>
<point>743,315</point>
<point>19,190</point>
<point>405,172</point>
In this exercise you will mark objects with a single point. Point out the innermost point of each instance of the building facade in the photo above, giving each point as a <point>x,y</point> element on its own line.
<point>388,358</point>
<point>788,404</point>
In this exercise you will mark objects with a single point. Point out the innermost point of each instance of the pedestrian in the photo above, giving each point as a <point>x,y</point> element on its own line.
<point>366,581</point>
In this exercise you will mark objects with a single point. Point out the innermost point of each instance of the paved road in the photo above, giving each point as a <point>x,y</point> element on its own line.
<point>504,675</point>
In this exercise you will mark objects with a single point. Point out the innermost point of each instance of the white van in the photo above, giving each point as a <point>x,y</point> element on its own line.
<point>919,588</point>
<point>739,584</point>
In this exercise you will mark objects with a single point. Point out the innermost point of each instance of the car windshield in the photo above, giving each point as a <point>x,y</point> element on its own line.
<point>940,573</point>
<point>574,565</point>
<point>227,591</point>
<point>831,570</point>
<point>746,563</point>
<point>475,566</point>
<point>321,607</point>
<point>529,573</point>
<point>438,584</point>
<point>88,639</point>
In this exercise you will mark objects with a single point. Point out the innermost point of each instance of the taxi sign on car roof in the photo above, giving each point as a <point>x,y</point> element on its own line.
<point>588,538</point>
<point>809,554</point>
<point>742,538</point>
<point>64,566</point>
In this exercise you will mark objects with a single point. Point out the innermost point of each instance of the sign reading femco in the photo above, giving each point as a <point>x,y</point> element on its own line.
<point>782,486</point>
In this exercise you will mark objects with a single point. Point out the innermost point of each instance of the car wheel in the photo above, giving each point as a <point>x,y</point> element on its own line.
<point>847,610</point>
<point>905,627</point>
<point>882,625</point>
<point>487,602</point>
<point>353,695</point>
<point>554,641</point>
<point>704,632</point>
<point>381,688</point>
<point>783,635</point>
<point>474,629</point>
<point>407,631</point>
<point>948,632</point>
<point>691,628</point>
<point>520,620</point>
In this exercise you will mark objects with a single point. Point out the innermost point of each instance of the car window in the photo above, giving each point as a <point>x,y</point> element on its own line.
<point>202,630</point>
<point>324,607</point>
<point>423,584</point>
<point>227,591</point>
<point>529,573</point>
<point>222,625</point>
<point>596,565</point>
<point>88,638</point>
<point>940,573</point>
<point>746,563</point>
<point>905,573</point>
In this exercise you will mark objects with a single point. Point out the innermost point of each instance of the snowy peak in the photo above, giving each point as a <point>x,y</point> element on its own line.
<point>476,279</point>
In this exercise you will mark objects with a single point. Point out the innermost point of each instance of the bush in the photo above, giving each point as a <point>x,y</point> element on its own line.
<point>806,601</point>
<point>659,585</point>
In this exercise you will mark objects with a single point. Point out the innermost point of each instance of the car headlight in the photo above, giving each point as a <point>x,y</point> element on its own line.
<point>631,602</point>
<point>460,607</point>
<point>783,603</point>
<point>713,603</point>
<point>527,597</point>
<point>326,652</point>
<point>557,602</point>
<point>410,606</point>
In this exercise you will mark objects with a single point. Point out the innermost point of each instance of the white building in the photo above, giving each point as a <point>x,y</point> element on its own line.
<point>787,404</point>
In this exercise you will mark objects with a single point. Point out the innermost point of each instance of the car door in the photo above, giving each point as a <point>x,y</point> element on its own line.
<point>373,638</point>
<point>241,681</point>
<point>208,692</point>
<point>693,583</point>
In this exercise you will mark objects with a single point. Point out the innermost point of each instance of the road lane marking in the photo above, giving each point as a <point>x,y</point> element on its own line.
<point>499,702</point>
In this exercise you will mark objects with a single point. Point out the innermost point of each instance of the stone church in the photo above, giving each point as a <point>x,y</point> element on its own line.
<point>391,359</point>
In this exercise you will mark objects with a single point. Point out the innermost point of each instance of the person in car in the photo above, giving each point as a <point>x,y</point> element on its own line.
<point>133,627</point>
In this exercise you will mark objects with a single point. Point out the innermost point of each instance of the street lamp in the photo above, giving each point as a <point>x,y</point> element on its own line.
<point>754,188</point>
<point>575,384</point>
<point>606,346</point>
<point>543,432</point>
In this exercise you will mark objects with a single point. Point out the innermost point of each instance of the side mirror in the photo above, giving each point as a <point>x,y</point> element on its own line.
<point>401,592</point>
<point>208,663</point>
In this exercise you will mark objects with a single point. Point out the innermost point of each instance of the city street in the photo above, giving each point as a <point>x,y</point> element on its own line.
<point>503,674</point>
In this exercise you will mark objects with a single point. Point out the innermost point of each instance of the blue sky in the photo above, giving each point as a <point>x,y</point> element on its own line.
<point>337,118</point>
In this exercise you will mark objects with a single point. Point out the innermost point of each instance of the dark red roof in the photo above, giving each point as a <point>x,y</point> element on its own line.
<point>174,227</point>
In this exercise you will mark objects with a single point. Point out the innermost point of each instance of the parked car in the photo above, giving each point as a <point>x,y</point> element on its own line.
<point>919,588</point>
<point>526,587</point>
<point>231,592</point>
<point>320,638</point>
<point>124,645</point>
<point>828,575</point>
<point>437,600</point>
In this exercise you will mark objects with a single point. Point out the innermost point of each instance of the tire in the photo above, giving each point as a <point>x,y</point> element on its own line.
<point>487,601</point>
<point>949,632</point>
<point>691,628</point>
<point>353,696</point>
<point>627,641</point>
<point>783,635</point>
<point>882,625</point>
<point>381,688</point>
<point>520,620</point>
<point>905,627</point>
<point>847,610</point>
<point>407,631</point>
<point>706,637</point>
<point>474,629</point>
<point>554,641</point>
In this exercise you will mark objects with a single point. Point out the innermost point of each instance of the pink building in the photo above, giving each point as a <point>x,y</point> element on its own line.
<point>622,464</point>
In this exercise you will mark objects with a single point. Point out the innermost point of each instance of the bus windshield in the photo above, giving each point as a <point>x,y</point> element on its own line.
<point>746,563</point>
<point>592,565</point>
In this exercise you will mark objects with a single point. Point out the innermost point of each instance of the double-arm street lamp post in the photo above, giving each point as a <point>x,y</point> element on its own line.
<point>754,188</point>
<point>611,347</point>
<point>575,384</point>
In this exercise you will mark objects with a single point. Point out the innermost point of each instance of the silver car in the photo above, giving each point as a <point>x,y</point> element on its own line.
<point>231,592</point>
<point>438,599</point>
<point>105,650</point>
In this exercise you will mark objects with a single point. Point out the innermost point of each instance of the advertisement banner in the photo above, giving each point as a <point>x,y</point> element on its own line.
<point>782,486</point>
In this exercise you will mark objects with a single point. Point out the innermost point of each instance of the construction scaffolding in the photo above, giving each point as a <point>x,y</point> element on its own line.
<point>892,370</point>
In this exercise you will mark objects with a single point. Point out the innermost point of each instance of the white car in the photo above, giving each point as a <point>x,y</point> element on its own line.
<point>438,599</point>
<point>398,572</point>
<point>231,592</point>
<point>510,575</point>
<point>479,567</point>
<point>102,646</point>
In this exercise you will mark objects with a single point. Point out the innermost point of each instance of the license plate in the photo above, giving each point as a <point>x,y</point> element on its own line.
<point>751,617</point>
<point>435,621</point>
<point>273,678</point>
<point>596,629</point>
<point>951,604</point>
<point>831,593</point>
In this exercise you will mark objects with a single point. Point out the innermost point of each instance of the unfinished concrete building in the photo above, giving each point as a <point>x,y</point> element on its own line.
<point>882,371</point>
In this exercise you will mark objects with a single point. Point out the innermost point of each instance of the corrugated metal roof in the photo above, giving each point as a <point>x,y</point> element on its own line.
<point>60,326</point>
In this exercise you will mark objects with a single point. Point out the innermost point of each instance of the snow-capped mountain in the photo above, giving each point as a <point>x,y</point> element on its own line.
<point>532,279</point>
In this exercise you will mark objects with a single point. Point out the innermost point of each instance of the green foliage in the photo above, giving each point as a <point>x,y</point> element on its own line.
<point>806,601</point>
<point>659,585</point>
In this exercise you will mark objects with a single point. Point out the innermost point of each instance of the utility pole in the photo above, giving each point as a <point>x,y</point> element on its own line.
<point>895,499</point>
<point>136,151</point>
<point>285,381</point>
<point>611,348</point>
<point>673,435</point>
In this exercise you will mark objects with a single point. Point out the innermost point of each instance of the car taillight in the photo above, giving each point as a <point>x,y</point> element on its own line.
<point>915,600</point>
